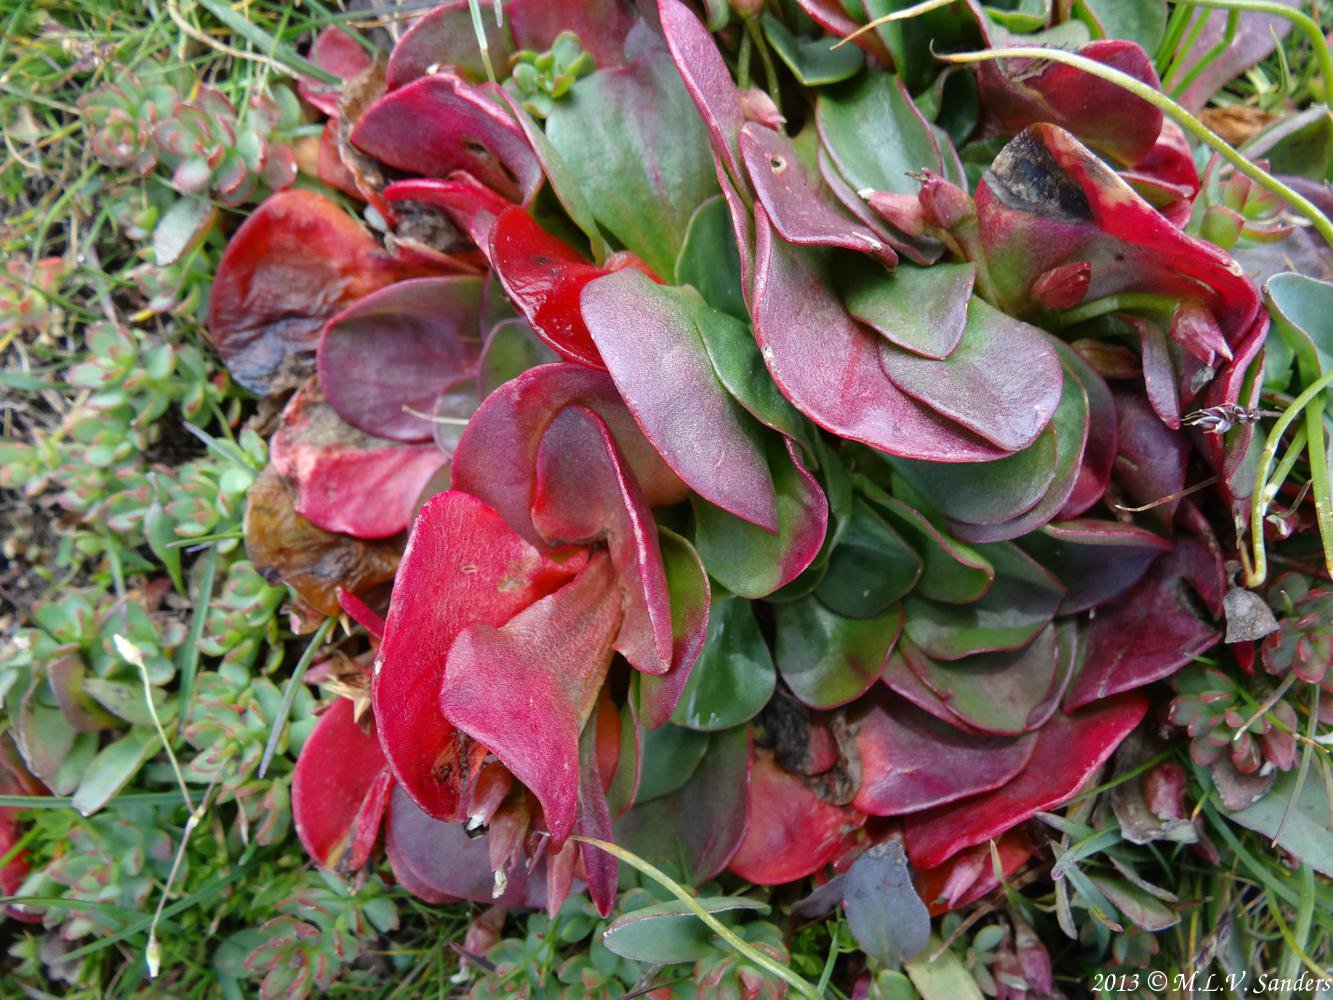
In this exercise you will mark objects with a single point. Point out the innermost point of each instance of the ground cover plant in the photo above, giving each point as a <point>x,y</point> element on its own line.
<point>567,498</point>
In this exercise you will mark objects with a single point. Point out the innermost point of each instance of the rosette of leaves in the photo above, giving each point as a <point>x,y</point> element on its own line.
<point>121,116</point>
<point>77,708</point>
<point>793,473</point>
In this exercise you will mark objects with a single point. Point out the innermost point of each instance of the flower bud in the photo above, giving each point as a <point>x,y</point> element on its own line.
<point>757,106</point>
<point>946,206</point>
<point>1063,287</point>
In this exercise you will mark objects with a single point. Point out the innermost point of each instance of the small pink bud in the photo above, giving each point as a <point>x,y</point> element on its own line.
<point>1164,791</point>
<point>1196,329</point>
<point>902,211</point>
<point>1063,287</point>
<point>757,106</point>
<point>945,204</point>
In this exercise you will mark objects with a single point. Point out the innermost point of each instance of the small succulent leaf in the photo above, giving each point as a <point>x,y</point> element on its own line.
<point>837,381</point>
<point>1097,561</point>
<point>585,495</point>
<point>637,148</point>
<point>440,123</point>
<point>338,765</point>
<point>271,296</point>
<point>812,60</point>
<point>114,766</point>
<point>1005,693</point>
<point>346,480</point>
<point>827,659</point>
<point>912,761</point>
<point>511,349</point>
<point>663,933</point>
<point>1151,459</point>
<point>1149,633</point>
<point>707,80</point>
<point>709,260</point>
<point>1003,382</point>
<point>445,37</point>
<point>691,608</point>
<point>603,27</point>
<point>885,914</point>
<point>796,201</point>
<point>693,832</point>
<point>386,358</point>
<point>985,492</point>
<point>496,459</point>
<point>441,862</point>
<point>1094,473</point>
<point>1302,827</point>
<point>693,422</point>
<point>920,309</point>
<point>749,561</point>
<point>551,658</point>
<point>875,134</point>
<point>671,755</point>
<point>182,227</point>
<point>463,565</point>
<point>952,572</point>
<point>734,677</point>
<point>792,832</point>
<point>870,568</point>
<point>1140,907</point>
<point>1069,750</point>
<point>1019,604</point>
<point>594,821</point>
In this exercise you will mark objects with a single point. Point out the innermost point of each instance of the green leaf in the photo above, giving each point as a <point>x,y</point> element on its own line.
<point>813,61</point>
<point>112,769</point>
<point>670,755</point>
<point>1135,904</point>
<point>709,260</point>
<point>734,676</point>
<point>511,349</point>
<point>826,659</point>
<point>921,309</point>
<point>952,571</point>
<point>876,135</point>
<point>870,568</point>
<point>942,978</point>
<point>1308,833</point>
<point>182,227</point>
<point>1142,21</point>
<point>637,147</point>
<point>665,933</point>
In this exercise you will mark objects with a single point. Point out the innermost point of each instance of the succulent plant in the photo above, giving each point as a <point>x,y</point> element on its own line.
<point>123,115</point>
<point>787,473</point>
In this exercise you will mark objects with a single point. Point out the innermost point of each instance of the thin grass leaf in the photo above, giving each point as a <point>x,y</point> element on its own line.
<point>289,694</point>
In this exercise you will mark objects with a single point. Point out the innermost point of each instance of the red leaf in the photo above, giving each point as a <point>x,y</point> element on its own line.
<point>709,82</point>
<point>835,378</point>
<point>440,123</point>
<point>693,422</point>
<point>791,832</point>
<point>273,292</point>
<point>525,690</point>
<point>339,769</point>
<point>463,565</point>
<point>340,54</point>
<point>397,349</point>
<point>445,37</point>
<point>347,481</point>
<point>585,495</point>
<point>470,204</point>
<point>912,761</point>
<point>496,459</point>
<point>1070,749</point>
<point>602,25</point>
<point>968,876</point>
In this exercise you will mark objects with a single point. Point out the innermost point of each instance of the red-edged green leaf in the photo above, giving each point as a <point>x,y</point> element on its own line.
<point>1094,471</point>
<point>693,832</point>
<point>340,766</point>
<point>441,123</point>
<point>692,421</point>
<point>749,561</point>
<point>395,350</point>
<point>869,568</point>
<point>828,660</point>
<point>445,37</point>
<point>585,495</point>
<point>921,309</point>
<point>707,79</point>
<point>272,295</point>
<point>638,150</point>
<point>710,261</point>
<point>833,375</point>
<point>463,564</point>
<point>1003,382</point>
<point>497,456</point>
<point>1018,605</point>
<point>985,492</point>
<point>346,480</point>
<point>791,831</point>
<point>876,135</point>
<point>511,349</point>
<point>912,761</point>
<point>734,677</point>
<point>524,690</point>
<point>1069,751</point>
<point>1149,633</point>
<point>687,584</point>
<point>796,201</point>
<point>1097,561</point>
<point>952,571</point>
